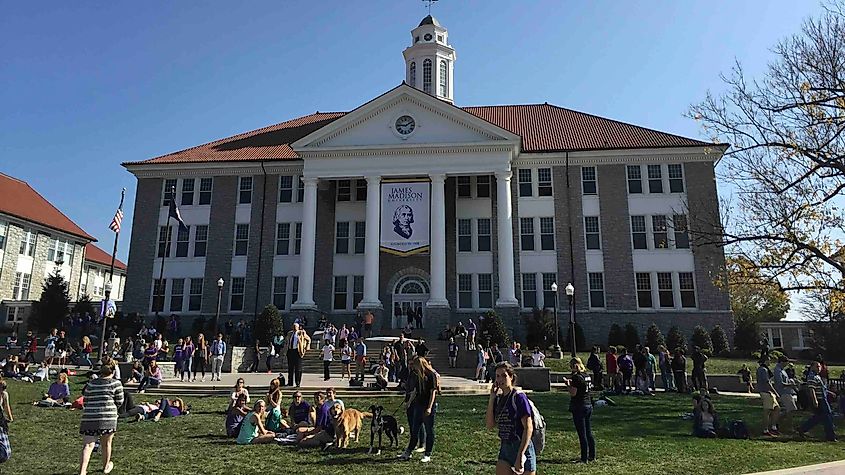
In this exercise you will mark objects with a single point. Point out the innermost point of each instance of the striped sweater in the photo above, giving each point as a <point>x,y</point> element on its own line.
<point>102,398</point>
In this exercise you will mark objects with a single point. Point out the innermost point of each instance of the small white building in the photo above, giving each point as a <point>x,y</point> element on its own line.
<point>96,272</point>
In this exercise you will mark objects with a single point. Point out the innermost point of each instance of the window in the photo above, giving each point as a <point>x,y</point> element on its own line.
<point>526,234</point>
<point>485,290</point>
<point>60,251</point>
<point>635,179</point>
<point>547,234</point>
<point>644,290</point>
<point>413,74</point>
<point>484,231</point>
<point>241,239</point>
<point>529,291</point>
<point>200,240</point>
<point>548,294</point>
<point>182,238</point>
<point>341,242</point>
<point>286,189</point>
<point>300,190</point>
<point>638,232</point>
<point>655,179</point>
<point>169,188</point>
<point>360,236</point>
<point>158,294</point>
<point>14,314</point>
<point>525,185</point>
<point>164,235</point>
<point>464,187</point>
<point>544,182</point>
<point>245,187</point>
<point>588,180</point>
<point>591,229</point>
<point>658,227</point>
<point>28,243</point>
<point>3,230</point>
<point>676,178</point>
<point>280,284</point>
<point>464,290</point>
<point>282,239</point>
<point>357,290</point>
<point>20,287</point>
<point>427,76</point>
<point>687,286</point>
<point>444,79</point>
<point>205,190</point>
<point>187,192</point>
<point>339,292</point>
<point>177,292</point>
<point>679,225</point>
<point>596,283</point>
<point>361,190</point>
<point>664,290</point>
<point>482,186</point>
<point>294,288</point>
<point>464,235</point>
<point>297,238</point>
<point>236,300</point>
<point>195,299</point>
<point>344,190</point>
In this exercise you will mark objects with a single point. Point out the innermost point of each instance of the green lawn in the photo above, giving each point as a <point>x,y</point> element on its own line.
<point>640,435</point>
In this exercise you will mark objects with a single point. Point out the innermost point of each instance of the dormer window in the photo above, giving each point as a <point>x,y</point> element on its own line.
<point>427,76</point>
<point>444,78</point>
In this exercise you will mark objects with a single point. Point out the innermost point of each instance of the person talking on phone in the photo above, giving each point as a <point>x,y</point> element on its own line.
<point>581,408</point>
<point>510,410</point>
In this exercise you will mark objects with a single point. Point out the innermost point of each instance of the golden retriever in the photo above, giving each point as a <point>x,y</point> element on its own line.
<point>346,422</point>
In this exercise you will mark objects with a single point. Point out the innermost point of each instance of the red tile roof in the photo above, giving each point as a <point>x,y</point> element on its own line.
<point>543,128</point>
<point>95,254</point>
<point>20,200</point>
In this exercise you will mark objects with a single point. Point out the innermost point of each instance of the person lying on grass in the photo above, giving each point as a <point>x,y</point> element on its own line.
<point>156,410</point>
<point>58,395</point>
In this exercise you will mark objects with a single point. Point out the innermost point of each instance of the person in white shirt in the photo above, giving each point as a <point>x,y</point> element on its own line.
<point>537,357</point>
<point>328,357</point>
<point>381,375</point>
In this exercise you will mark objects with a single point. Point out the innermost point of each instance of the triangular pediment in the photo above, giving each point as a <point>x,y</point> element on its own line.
<point>385,122</point>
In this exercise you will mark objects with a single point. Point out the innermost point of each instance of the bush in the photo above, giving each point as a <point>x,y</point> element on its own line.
<point>579,338</point>
<point>653,338</point>
<point>632,336</point>
<point>540,328</point>
<point>675,340</point>
<point>773,354</point>
<point>721,346</point>
<point>615,336</point>
<point>746,335</point>
<point>494,331</point>
<point>52,306</point>
<point>701,338</point>
<point>268,325</point>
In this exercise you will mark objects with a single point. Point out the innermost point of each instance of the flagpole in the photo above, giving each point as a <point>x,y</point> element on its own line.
<point>164,254</point>
<point>107,284</point>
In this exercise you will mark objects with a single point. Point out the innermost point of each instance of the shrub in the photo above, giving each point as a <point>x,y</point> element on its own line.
<point>494,331</point>
<point>701,338</point>
<point>632,336</point>
<point>268,325</point>
<point>746,335</point>
<point>540,328</point>
<point>579,338</point>
<point>721,346</point>
<point>675,340</point>
<point>615,336</point>
<point>653,338</point>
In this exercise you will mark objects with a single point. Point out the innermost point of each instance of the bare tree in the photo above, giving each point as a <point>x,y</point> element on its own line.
<point>786,164</point>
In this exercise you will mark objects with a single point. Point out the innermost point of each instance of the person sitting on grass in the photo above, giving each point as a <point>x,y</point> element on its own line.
<point>58,394</point>
<point>137,373</point>
<point>152,377</point>
<point>705,420</point>
<point>5,405</point>
<point>301,414</point>
<point>235,416</point>
<point>323,431</point>
<point>274,404</point>
<point>237,392</point>
<point>252,428</point>
<point>745,374</point>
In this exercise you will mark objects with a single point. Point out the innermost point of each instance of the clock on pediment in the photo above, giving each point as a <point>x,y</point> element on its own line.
<point>404,125</point>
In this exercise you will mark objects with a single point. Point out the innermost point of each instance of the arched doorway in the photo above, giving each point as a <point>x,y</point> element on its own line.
<point>410,293</point>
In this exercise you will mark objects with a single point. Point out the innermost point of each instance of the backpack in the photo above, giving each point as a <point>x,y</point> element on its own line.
<point>538,435</point>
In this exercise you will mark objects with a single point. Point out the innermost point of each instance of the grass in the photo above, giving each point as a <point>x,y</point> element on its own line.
<point>640,435</point>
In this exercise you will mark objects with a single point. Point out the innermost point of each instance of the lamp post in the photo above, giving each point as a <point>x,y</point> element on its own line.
<point>220,283</point>
<point>556,352</point>
<point>570,292</point>
<point>105,314</point>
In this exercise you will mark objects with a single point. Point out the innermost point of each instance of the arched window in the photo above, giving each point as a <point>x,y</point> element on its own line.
<point>412,75</point>
<point>411,285</point>
<point>444,78</point>
<point>427,76</point>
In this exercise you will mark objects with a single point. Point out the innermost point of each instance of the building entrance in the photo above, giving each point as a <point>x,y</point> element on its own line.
<point>409,298</point>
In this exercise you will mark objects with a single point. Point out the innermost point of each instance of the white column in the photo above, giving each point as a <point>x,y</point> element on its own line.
<point>504,222</point>
<point>438,242</point>
<point>371,244</point>
<point>307,248</point>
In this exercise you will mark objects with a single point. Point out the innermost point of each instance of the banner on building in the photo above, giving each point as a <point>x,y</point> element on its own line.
<point>405,216</point>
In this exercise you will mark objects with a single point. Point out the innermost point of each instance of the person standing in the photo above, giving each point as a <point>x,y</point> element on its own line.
<point>103,396</point>
<point>453,353</point>
<point>699,374</point>
<point>368,324</point>
<point>612,366</point>
<point>278,344</point>
<point>256,352</point>
<point>298,342</point>
<point>360,358</point>
<point>582,410</point>
<point>510,410</point>
<point>650,368</point>
<point>420,394</point>
<point>87,349</point>
<point>771,407</point>
<point>664,361</point>
<point>328,357</point>
<point>472,329</point>
<point>679,370</point>
<point>218,354</point>
<point>50,346</point>
<point>61,348</point>
<point>179,357</point>
<point>594,365</point>
<point>31,347</point>
<point>200,357</point>
<point>784,388</point>
<point>819,402</point>
<point>188,351</point>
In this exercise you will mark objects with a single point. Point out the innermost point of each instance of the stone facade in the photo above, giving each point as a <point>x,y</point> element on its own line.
<point>261,243</point>
<point>620,293</point>
<point>143,246</point>
<point>218,257</point>
<point>569,232</point>
<point>324,247</point>
<point>14,234</point>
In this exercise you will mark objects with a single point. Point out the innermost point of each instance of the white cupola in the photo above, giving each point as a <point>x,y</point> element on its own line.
<point>430,61</point>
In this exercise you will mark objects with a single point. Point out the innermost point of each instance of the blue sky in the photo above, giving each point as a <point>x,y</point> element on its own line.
<point>85,86</point>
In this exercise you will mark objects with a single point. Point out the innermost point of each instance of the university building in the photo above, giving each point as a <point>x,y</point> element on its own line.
<point>410,201</point>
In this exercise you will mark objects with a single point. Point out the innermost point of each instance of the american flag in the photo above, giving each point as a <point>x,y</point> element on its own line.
<point>115,222</point>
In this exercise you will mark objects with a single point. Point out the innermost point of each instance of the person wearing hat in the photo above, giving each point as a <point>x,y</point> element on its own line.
<point>771,407</point>
<point>785,387</point>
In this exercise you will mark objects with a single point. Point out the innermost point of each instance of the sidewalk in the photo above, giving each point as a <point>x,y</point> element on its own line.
<point>830,468</point>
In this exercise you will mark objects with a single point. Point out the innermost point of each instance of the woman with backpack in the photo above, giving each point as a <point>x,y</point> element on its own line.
<point>86,349</point>
<point>581,408</point>
<point>510,411</point>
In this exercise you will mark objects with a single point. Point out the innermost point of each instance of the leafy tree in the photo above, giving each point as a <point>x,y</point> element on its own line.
<point>701,338</point>
<point>615,336</point>
<point>754,299</point>
<point>675,339</point>
<point>580,343</point>
<point>632,337</point>
<point>54,304</point>
<point>540,328</point>
<point>721,346</point>
<point>826,309</point>
<point>494,330</point>
<point>268,325</point>
<point>654,338</point>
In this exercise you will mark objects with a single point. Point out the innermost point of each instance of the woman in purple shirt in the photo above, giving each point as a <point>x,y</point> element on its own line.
<point>57,395</point>
<point>511,411</point>
<point>187,358</point>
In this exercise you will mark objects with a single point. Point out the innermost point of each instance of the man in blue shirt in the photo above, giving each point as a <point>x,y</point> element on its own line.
<point>360,358</point>
<point>822,413</point>
<point>218,354</point>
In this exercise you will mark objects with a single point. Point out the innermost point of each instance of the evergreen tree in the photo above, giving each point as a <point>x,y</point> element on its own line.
<point>540,328</point>
<point>701,338</point>
<point>654,338</point>
<point>494,330</point>
<point>615,337</point>
<point>54,304</point>
<point>632,337</point>
<point>721,346</point>
<point>85,305</point>
<point>579,339</point>
<point>675,340</point>
<point>268,325</point>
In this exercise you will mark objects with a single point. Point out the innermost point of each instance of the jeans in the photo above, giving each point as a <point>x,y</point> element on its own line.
<point>216,366</point>
<point>86,358</point>
<point>418,420</point>
<point>326,365</point>
<point>186,368</point>
<point>148,381</point>
<point>582,416</point>
<point>822,415</point>
<point>650,376</point>
<point>668,380</point>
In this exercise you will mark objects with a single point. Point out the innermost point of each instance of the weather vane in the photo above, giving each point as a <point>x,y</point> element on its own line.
<point>429,4</point>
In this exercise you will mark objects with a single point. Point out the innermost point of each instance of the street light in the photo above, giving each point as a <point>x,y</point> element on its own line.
<point>570,292</point>
<point>220,283</point>
<point>556,353</point>
<point>105,314</point>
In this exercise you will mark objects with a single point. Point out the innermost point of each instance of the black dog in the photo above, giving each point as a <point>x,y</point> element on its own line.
<point>383,423</point>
